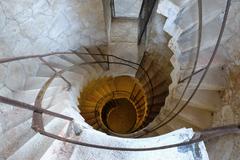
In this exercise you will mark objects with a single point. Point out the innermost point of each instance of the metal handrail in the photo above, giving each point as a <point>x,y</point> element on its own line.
<point>38,123</point>
<point>112,94</point>
<point>195,62</point>
<point>149,13</point>
<point>200,136</point>
<point>112,5</point>
<point>23,105</point>
<point>187,77</point>
<point>228,4</point>
<point>211,133</point>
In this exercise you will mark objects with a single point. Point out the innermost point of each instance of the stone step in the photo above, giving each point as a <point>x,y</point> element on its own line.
<point>171,9</point>
<point>59,151</point>
<point>170,138</point>
<point>189,16</point>
<point>57,62</point>
<point>33,83</point>
<point>124,30</point>
<point>208,108</point>
<point>88,58</point>
<point>192,28</point>
<point>196,117</point>
<point>127,51</point>
<point>215,79</point>
<point>29,96</point>
<point>208,43</point>
<point>86,71</point>
<point>73,58</point>
<point>210,33</point>
<point>37,146</point>
<point>98,58</point>
<point>16,116</point>
<point>202,98</point>
<point>187,59</point>
<point>20,134</point>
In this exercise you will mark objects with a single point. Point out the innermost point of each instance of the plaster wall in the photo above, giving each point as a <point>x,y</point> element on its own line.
<point>227,147</point>
<point>42,26</point>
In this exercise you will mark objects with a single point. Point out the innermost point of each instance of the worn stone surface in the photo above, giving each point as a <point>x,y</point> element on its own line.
<point>43,26</point>
<point>234,100</point>
<point>127,8</point>
<point>192,152</point>
<point>157,38</point>
<point>227,147</point>
<point>124,30</point>
<point>16,76</point>
<point>31,27</point>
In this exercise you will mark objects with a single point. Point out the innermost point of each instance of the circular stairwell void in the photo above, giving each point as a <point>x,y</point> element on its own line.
<point>119,115</point>
<point>114,104</point>
<point>146,91</point>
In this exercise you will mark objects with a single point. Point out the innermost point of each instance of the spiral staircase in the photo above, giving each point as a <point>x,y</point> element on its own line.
<point>114,97</point>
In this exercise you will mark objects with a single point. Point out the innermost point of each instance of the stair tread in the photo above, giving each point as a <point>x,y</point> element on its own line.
<point>37,82</point>
<point>215,79</point>
<point>207,98</point>
<point>36,146</point>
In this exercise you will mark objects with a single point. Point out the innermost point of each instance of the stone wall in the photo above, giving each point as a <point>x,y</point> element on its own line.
<point>127,8</point>
<point>42,26</point>
<point>107,17</point>
<point>227,147</point>
<point>157,38</point>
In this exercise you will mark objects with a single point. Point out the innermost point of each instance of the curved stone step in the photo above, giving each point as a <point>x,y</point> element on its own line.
<point>189,16</point>
<point>57,62</point>
<point>19,135</point>
<point>215,79</point>
<point>186,59</point>
<point>185,30</point>
<point>29,96</point>
<point>208,108</point>
<point>196,117</point>
<point>210,33</point>
<point>37,146</point>
<point>203,98</point>
<point>170,9</point>
<point>37,82</point>
<point>87,70</point>
<point>12,118</point>
<point>59,151</point>
<point>73,58</point>
<point>98,58</point>
<point>170,138</point>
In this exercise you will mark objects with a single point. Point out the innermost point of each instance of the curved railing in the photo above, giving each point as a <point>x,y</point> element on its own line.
<point>37,124</point>
<point>205,69</point>
<point>37,116</point>
<point>113,95</point>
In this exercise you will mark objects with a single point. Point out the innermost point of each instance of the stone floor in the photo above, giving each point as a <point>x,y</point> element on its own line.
<point>127,8</point>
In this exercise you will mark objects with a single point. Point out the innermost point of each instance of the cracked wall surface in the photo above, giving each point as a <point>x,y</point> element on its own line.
<point>42,26</point>
<point>157,38</point>
<point>127,8</point>
<point>227,147</point>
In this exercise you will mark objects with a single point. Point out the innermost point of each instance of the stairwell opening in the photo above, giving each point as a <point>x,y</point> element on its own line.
<point>145,91</point>
<point>119,115</point>
<point>114,104</point>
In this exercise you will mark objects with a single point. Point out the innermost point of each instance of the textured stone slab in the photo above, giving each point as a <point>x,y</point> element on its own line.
<point>191,152</point>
